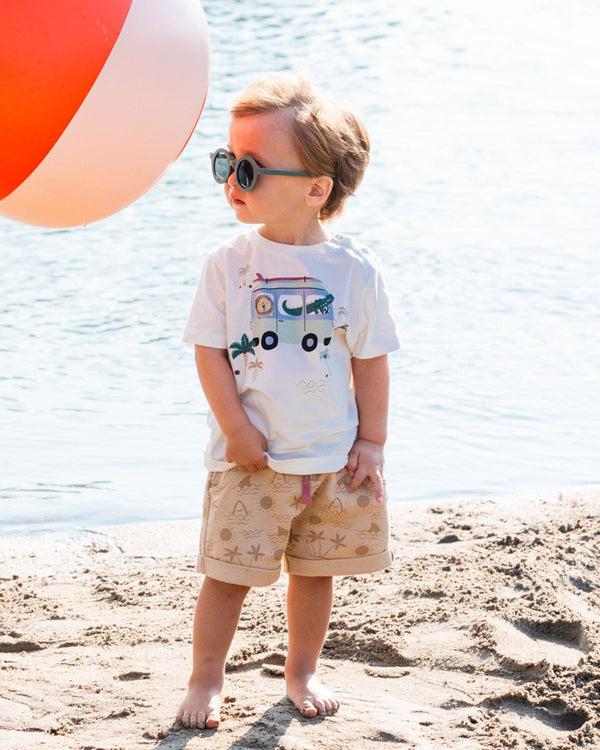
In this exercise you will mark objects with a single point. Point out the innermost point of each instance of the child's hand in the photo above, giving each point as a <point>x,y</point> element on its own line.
<point>366,460</point>
<point>246,449</point>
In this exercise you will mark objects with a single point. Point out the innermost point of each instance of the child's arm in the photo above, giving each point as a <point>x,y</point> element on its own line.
<point>372,385</point>
<point>245,444</point>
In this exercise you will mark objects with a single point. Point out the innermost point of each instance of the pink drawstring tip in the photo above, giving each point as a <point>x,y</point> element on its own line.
<point>306,494</point>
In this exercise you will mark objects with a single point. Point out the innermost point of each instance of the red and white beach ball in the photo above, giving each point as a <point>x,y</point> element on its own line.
<point>97,100</point>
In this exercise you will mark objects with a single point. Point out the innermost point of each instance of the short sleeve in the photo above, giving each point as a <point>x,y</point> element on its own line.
<point>207,325</point>
<point>372,331</point>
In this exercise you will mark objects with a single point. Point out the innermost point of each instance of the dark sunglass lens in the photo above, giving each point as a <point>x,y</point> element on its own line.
<point>221,167</point>
<point>245,174</point>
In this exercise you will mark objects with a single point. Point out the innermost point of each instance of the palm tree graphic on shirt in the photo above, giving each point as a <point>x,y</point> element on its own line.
<point>243,347</point>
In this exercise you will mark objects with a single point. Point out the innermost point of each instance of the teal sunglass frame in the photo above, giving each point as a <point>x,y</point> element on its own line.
<point>246,169</point>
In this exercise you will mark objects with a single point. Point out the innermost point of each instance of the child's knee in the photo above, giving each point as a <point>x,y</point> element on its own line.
<point>225,589</point>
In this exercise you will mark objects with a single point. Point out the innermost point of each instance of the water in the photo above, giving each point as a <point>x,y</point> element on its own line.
<point>481,200</point>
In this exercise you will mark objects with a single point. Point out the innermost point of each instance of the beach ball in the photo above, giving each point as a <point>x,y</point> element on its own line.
<point>98,98</point>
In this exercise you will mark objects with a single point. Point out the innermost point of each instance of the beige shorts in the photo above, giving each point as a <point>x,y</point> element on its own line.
<point>252,523</point>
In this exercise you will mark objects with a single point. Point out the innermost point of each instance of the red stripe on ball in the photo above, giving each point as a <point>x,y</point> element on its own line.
<point>51,52</point>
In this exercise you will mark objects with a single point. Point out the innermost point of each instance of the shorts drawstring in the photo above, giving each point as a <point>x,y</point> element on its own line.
<point>306,493</point>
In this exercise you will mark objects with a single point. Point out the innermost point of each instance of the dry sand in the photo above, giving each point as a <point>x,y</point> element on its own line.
<point>484,634</point>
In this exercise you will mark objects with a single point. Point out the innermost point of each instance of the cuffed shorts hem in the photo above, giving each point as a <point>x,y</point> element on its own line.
<point>242,575</point>
<point>237,574</point>
<point>341,567</point>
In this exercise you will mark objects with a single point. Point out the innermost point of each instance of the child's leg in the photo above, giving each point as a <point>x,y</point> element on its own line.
<point>217,613</point>
<point>309,607</point>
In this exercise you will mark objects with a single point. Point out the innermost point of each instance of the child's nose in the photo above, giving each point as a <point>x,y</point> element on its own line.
<point>231,179</point>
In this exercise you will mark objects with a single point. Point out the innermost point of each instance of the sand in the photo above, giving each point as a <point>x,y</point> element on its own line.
<point>485,633</point>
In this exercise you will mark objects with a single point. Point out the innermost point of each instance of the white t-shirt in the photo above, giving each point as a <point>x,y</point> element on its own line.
<point>291,318</point>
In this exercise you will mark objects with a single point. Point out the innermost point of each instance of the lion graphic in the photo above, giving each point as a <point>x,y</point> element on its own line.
<point>264,306</point>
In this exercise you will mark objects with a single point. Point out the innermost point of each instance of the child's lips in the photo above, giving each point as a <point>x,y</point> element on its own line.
<point>233,197</point>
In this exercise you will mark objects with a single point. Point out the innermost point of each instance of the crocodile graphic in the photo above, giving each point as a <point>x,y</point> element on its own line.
<point>317,306</point>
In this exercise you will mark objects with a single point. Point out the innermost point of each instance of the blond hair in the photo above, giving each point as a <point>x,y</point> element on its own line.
<point>330,139</point>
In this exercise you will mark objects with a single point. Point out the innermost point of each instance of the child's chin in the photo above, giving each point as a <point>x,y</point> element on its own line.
<point>241,214</point>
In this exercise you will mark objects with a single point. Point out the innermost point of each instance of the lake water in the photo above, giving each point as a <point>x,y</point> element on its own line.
<point>481,199</point>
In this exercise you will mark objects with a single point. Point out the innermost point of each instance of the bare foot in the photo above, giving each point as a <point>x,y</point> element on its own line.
<point>310,696</point>
<point>200,708</point>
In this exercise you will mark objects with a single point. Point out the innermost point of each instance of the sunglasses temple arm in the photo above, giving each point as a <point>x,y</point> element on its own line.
<point>288,172</point>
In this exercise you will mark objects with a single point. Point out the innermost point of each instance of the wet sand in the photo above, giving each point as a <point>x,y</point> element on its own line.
<point>485,633</point>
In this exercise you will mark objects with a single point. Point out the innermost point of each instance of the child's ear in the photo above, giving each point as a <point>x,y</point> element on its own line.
<point>320,188</point>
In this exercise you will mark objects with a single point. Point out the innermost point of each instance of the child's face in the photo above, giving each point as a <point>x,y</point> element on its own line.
<point>276,200</point>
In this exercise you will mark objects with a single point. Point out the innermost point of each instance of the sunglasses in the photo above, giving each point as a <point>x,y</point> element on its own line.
<point>247,171</point>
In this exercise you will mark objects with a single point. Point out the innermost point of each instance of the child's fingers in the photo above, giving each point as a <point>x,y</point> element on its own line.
<point>252,463</point>
<point>257,464</point>
<point>378,482</point>
<point>261,463</point>
<point>352,464</point>
<point>354,484</point>
<point>358,478</point>
<point>375,476</point>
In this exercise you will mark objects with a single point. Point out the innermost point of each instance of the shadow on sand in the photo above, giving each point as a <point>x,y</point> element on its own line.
<point>265,732</point>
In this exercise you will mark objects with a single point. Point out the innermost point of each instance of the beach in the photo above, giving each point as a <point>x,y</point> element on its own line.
<point>485,633</point>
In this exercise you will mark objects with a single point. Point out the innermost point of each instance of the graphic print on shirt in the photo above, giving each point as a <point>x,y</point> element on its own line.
<point>291,310</point>
<point>244,347</point>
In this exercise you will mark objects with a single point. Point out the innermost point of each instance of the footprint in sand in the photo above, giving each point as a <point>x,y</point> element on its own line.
<point>529,647</point>
<point>546,719</point>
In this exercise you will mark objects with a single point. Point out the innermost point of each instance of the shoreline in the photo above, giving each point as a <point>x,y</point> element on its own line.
<point>67,530</point>
<point>485,633</point>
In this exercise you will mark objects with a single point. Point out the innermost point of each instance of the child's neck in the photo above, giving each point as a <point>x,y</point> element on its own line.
<point>311,234</point>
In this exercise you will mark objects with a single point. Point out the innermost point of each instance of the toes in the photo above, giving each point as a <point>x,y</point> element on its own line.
<point>308,709</point>
<point>197,721</point>
<point>198,712</point>
<point>209,720</point>
<point>327,706</point>
<point>311,698</point>
<point>212,720</point>
<point>319,707</point>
